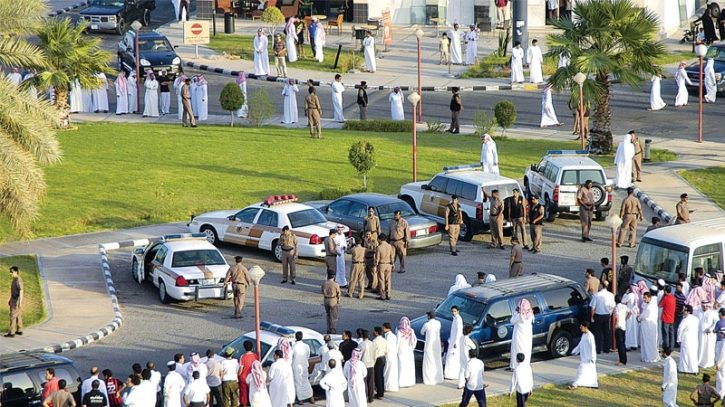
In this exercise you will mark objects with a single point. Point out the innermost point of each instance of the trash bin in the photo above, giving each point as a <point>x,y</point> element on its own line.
<point>647,157</point>
<point>228,23</point>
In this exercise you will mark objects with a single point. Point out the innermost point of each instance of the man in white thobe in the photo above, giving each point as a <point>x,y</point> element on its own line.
<point>391,360</point>
<point>454,36</point>
<point>132,93</point>
<point>708,319</point>
<point>75,97</point>
<point>648,329</point>
<point>202,99</point>
<point>369,47</point>
<point>356,372</point>
<point>687,336</point>
<point>121,86</point>
<point>465,347</point>
<point>291,115</point>
<point>623,161</point>
<point>332,354</point>
<point>522,380</point>
<point>151,97</point>
<point>632,338</point>
<point>710,81</point>
<point>320,40</point>
<point>517,63</point>
<point>453,357</point>
<point>535,58</point>
<point>489,155</point>
<point>261,54</point>
<point>341,246</point>
<point>720,354</point>
<point>100,94</point>
<point>337,89</point>
<point>396,99</point>
<point>523,335</point>
<point>432,362</point>
<point>586,374</point>
<point>669,380</point>
<point>406,357</point>
<point>174,385</point>
<point>300,368</point>
<point>334,384</point>
<point>281,381</point>
<point>471,45</point>
<point>14,76</point>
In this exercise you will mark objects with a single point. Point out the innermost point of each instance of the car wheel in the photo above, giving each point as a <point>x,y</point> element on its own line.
<point>136,272</point>
<point>599,194</point>
<point>561,343</point>
<point>163,295</point>
<point>410,202</point>
<point>121,26</point>
<point>549,212</point>
<point>466,233</point>
<point>146,19</point>
<point>277,250</point>
<point>211,235</point>
<point>601,215</point>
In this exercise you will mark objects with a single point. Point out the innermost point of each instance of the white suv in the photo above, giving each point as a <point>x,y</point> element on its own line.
<point>558,177</point>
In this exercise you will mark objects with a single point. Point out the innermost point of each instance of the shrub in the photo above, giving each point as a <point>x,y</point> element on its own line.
<point>505,114</point>
<point>436,126</point>
<point>362,156</point>
<point>260,108</point>
<point>381,126</point>
<point>483,123</point>
<point>332,193</point>
<point>273,17</point>
<point>503,43</point>
<point>231,99</point>
<point>350,61</point>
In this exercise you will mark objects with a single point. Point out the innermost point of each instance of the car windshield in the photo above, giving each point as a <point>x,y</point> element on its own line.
<point>238,346</point>
<point>305,217</point>
<point>716,52</point>
<point>387,211</point>
<point>188,258</point>
<point>657,259</point>
<point>469,309</point>
<point>155,45</point>
<point>111,3</point>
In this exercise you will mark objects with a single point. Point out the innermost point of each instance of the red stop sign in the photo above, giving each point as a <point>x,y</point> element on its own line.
<point>196,29</point>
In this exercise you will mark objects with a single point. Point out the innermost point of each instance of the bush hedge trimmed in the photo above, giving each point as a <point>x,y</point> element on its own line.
<point>382,126</point>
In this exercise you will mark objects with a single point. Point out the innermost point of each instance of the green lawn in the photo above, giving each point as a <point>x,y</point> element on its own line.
<point>33,307</point>
<point>119,175</point>
<point>708,181</point>
<point>242,46</point>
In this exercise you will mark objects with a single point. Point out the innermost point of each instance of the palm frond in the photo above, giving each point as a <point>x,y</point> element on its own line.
<point>21,16</point>
<point>15,51</point>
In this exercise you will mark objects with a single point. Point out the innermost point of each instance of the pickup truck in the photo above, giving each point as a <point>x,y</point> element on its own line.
<point>115,15</point>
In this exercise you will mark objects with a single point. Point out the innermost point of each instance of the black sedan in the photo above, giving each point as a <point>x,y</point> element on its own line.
<point>350,210</point>
<point>155,53</point>
<point>717,52</point>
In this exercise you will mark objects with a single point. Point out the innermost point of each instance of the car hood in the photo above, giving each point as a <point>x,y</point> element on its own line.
<point>320,229</point>
<point>718,66</point>
<point>159,58</point>
<point>217,215</point>
<point>414,185</point>
<point>414,222</point>
<point>198,272</point>
<point>417,325</point>
<point>318,204</point>
<point>101,11</point>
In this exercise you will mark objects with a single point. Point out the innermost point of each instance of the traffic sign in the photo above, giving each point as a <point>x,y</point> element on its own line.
<point>196,32</point>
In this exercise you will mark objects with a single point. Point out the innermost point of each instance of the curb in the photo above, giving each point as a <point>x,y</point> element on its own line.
<point>271,78</point>
<point>118,320</point>
<point>646,200</point>
<point>69,8</point>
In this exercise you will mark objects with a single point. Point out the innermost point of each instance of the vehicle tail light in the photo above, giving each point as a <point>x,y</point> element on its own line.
<point>314,239</point>
<point>413,233</point>
<point>479,211</point>
<point>433,229</point>
<point>181,282</point>
<point>556,195</point>
<point>609,198</point>
<point>349,233</point>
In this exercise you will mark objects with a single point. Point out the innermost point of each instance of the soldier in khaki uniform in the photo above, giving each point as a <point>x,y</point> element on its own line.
<point>331,251</point>
<point>239,277</point>
<point>384,259</point>
<point>630,212</point>
<point>288,244</point>
<point>17,290</point>
<point>637,159</point>
<point>495,218</point>
<point>357,272</point>
<point>683,213</point>
<point>516,265</point>
<point>536,224</point>
<point>585,198</point>
<point>371,223</point>
<point>331,292</point>
<point>399,235</point>
<point>371,246</point>
<point>313,110</point>
<point>454,218</point>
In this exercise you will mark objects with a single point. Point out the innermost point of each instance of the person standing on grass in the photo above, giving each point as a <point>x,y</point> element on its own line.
<point>586,375</point>
<point>17,292</point>
<point>291,37</point>
<point>622,314</point>
<point>669,379</point>
<point>704,394</point>
<point>668,305</point>
<point>320,40</point>
<point>522,381</point>
<point>489,155</point>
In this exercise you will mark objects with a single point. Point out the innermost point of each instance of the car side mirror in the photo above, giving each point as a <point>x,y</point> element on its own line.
<point>176,46</point>
<point>232,217</point>
<point>324,208</point>
<point>138,250</point>
<point>424,187</point>
<point>534,168</point>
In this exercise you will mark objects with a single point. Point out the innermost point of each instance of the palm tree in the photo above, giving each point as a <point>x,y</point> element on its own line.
<point>612,39</point>
<point>71,56</point>
<point>27,125</point>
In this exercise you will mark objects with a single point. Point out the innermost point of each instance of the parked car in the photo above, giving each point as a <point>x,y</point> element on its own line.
<point>23,376</point>
<point>184,267</point>
<point>351,210</point>
<point>259,225</point>
<point>716,51</point>
<point>558,304</point>
<point>558,177</point>
<point>430,198</point>
<point>115,15</point>
<point>155,53</point>
<point>270,334</point>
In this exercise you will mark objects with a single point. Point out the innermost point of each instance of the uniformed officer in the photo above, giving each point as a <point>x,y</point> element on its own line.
<point>481,278</point>
<point>372,223</point>
<point>399,235</point>
<point>683,213</point>
<point>17,291</point>
<point>517,256</point>
<point>239,277</point>
<point>384,259</point>
<point>288,244</point>
<point>454,218</point>
<point>331,251</point>
<point>495,218</point>
<point>637,159</point>
<point>516,213</point>
<point>357,272</point>
<point>331,292</point>
<point>371,245</point>
<point>536,223</point>
<point>630,212</point>
<point>585,198</point>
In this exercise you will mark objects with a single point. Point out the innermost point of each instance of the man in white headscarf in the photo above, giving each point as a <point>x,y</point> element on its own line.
<point>489,155</point>
<point>202,98</point>
<point>453,357</point>
<point>100,94</point>
<point>406,356</point>
<point>454,36</point>
<point>391,359</point>
<point>14,76</point>
<point>242,82</point>
<point>471,45</point>
<point>623,161</point>
<point>261,54</point>
<point>460,284</point>
<point>648,329</point>
<point>655,97</point>
<point>300,366</point>
<point>151,97</point>
<point>681,79</point>
<point>708,319</point>
<point>356,372</point>
<point>396,104</point>
<point>291,38</point>
<point>121,85</point>
<point>337,89</point>
<point>710,82</point>
<point>291,115</point>
<point>320,40</point>
<point>132,93</point>
<point>669,380</point>
<point>178,85</point>
<point>548,114</point>
<point>280,376</point>
<point>432,363</point>
<point>523,335</point>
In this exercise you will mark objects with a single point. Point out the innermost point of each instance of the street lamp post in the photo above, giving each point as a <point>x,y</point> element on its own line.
<point>700,50</point>
<point>579,78</point>
<point>136,26</point>
<point>256,273</point>
<point>419,35</point>
<point>414,98</point>
<point>614,222</point>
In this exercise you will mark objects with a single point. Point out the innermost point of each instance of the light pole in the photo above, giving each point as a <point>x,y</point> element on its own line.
<point>700,50</point>
<point>614,222</point>
<point>419,35</point>
<point>136,25</point>
<point>256,273</point>
<point>414,98</point>
<point>579,78</point>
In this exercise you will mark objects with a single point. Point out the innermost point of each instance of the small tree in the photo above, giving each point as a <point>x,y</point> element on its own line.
<point>483,123</point>
<point>273,17</point>
<point>260,108</point>
<point>362,156</point>
<point>231,99</point>
<point>505,114</point>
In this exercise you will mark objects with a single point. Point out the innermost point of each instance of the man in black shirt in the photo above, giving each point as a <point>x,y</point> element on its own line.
<point>515,208</point>
<point>347,345</point>
<point>165,98</point>
<point>362,100</point>
<point>95,398</point>
<point>456,107</point>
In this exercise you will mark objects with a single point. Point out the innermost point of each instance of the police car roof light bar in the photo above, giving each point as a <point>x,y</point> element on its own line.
<point>279,199</point>
<point>184,236</point>
<point>278,329</point>
<point>467,167</point>
<point>568,152</point>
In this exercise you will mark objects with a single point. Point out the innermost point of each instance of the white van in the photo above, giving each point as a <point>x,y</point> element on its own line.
<point>667,251</point>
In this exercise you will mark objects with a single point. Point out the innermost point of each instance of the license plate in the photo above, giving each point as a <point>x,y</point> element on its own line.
<point>208,281</point>
<point>573,209</point>
<point>94,26</point>
<point>421,232</point>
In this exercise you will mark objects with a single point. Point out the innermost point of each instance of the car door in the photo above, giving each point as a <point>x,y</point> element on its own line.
<point>353,218</point>
<point>240,226</point>
<point>18,389</point>
<point>265,229</point>
<point>337,209</point>
<point>539,328</point>
<point>430,202</point>
<point>496,331</point>
<point>536,184</point>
